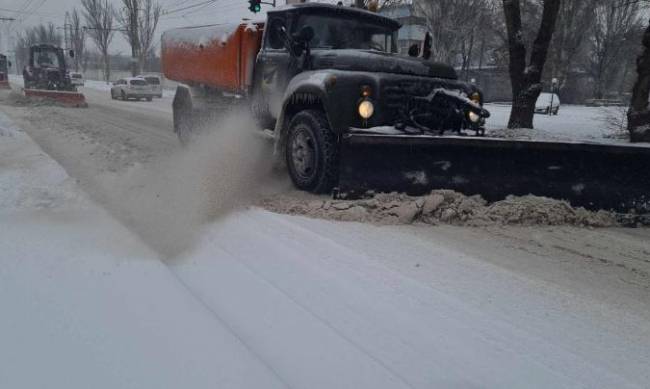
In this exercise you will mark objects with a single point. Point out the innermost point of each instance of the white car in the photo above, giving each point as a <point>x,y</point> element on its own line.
<point>77,79</point>
<point>155,83</point>
<point>548,103</point>
<point>132,88</point>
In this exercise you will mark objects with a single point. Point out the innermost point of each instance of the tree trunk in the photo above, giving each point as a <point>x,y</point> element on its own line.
<point>638,117</point>
<point>107,67</point>
<point>526,79</point>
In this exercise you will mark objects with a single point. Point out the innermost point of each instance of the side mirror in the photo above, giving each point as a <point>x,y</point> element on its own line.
<point>426,47</point>
<point>9,63</point>
<point>71,53</point>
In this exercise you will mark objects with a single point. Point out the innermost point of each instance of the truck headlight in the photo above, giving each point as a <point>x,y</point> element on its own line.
<point>366,109</point>
<point>473,117</point>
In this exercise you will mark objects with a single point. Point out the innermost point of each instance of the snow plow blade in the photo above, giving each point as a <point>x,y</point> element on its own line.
<point>594,176</point>
<point>67,98</point>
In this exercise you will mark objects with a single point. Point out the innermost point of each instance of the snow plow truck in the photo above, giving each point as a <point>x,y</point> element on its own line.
<point>350,115</point>
<point>46,76</point>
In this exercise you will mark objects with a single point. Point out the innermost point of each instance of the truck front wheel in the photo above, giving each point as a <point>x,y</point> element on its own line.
<point>312,152</point>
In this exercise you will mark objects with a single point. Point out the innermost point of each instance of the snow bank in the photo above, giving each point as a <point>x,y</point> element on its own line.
<point>443,206</point>
<point>29,181</point>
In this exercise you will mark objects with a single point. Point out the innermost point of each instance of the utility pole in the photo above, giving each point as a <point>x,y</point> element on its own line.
<point>135,47</point>
<point>67,32</point>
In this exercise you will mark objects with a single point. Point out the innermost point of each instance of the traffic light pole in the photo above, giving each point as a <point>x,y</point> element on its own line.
<point>255,6</point>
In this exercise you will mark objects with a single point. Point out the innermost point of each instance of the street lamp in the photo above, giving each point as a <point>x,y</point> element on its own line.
<point>554,87</point>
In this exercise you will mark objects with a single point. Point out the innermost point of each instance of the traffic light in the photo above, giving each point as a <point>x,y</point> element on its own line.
<point>255,6</point>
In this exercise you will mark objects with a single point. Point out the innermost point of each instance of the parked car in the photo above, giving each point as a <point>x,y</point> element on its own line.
<point>77,79</point>
<point>132,88</point>
<point>548,103</point>
<point>155,82</point>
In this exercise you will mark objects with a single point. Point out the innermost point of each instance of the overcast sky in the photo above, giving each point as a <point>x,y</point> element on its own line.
<point>178,13</point>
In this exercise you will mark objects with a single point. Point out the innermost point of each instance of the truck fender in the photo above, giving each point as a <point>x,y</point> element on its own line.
<point>305,91</point>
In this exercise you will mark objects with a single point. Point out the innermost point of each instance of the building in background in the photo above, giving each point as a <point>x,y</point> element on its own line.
<point>413,26</point>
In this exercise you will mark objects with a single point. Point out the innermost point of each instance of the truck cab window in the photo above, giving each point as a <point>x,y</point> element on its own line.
<point>275,39</point>
<point>334,32</point>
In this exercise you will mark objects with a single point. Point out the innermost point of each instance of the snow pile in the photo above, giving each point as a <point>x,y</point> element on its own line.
<point>443,206</point>
<point>17,99</point>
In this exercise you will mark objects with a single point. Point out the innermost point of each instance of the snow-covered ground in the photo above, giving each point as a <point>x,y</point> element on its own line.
<point>86,305</point>
<point>574,122</point>
<point>265,300</point>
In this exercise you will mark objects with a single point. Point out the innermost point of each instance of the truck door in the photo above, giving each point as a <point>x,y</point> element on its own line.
<point>272,68</point>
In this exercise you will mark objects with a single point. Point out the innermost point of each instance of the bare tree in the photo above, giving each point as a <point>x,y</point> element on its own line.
<point>99,15</point>
<point>41,34</point>
<point>526,77</point>
<point>453,25</point>
<point>574,24</point>
<point>616,25</point>
<point>128,18</point>
<point>77,38</point>
<point>476,35</point>
<point>639,115</point>
<point>149,18</point>
<point>375,5</point>
<point>139,20</point>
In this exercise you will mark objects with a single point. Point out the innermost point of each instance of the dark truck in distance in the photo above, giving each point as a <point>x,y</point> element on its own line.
<point>46,69</point>
<point>46,76</point>
<point>314,73</point>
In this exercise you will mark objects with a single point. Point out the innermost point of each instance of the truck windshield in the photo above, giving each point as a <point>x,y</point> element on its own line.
<point>347,33</point>
<point>47,59</point>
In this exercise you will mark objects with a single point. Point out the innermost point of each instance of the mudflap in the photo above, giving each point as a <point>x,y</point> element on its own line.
<point>594,176</point>
<point>4,84</point>
<point>67,98</point>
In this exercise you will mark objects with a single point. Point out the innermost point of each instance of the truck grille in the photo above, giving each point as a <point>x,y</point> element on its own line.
<point>396,94</point>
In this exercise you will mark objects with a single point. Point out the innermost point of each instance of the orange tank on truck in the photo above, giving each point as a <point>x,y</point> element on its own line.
<point>220,56</point>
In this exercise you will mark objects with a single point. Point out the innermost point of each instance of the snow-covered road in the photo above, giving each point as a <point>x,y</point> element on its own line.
<point>264,300</point>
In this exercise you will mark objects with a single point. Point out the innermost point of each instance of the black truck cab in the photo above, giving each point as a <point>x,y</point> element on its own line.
<point>325,71</point>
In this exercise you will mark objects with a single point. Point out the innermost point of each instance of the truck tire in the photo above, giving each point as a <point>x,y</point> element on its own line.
<point>312,152</point>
